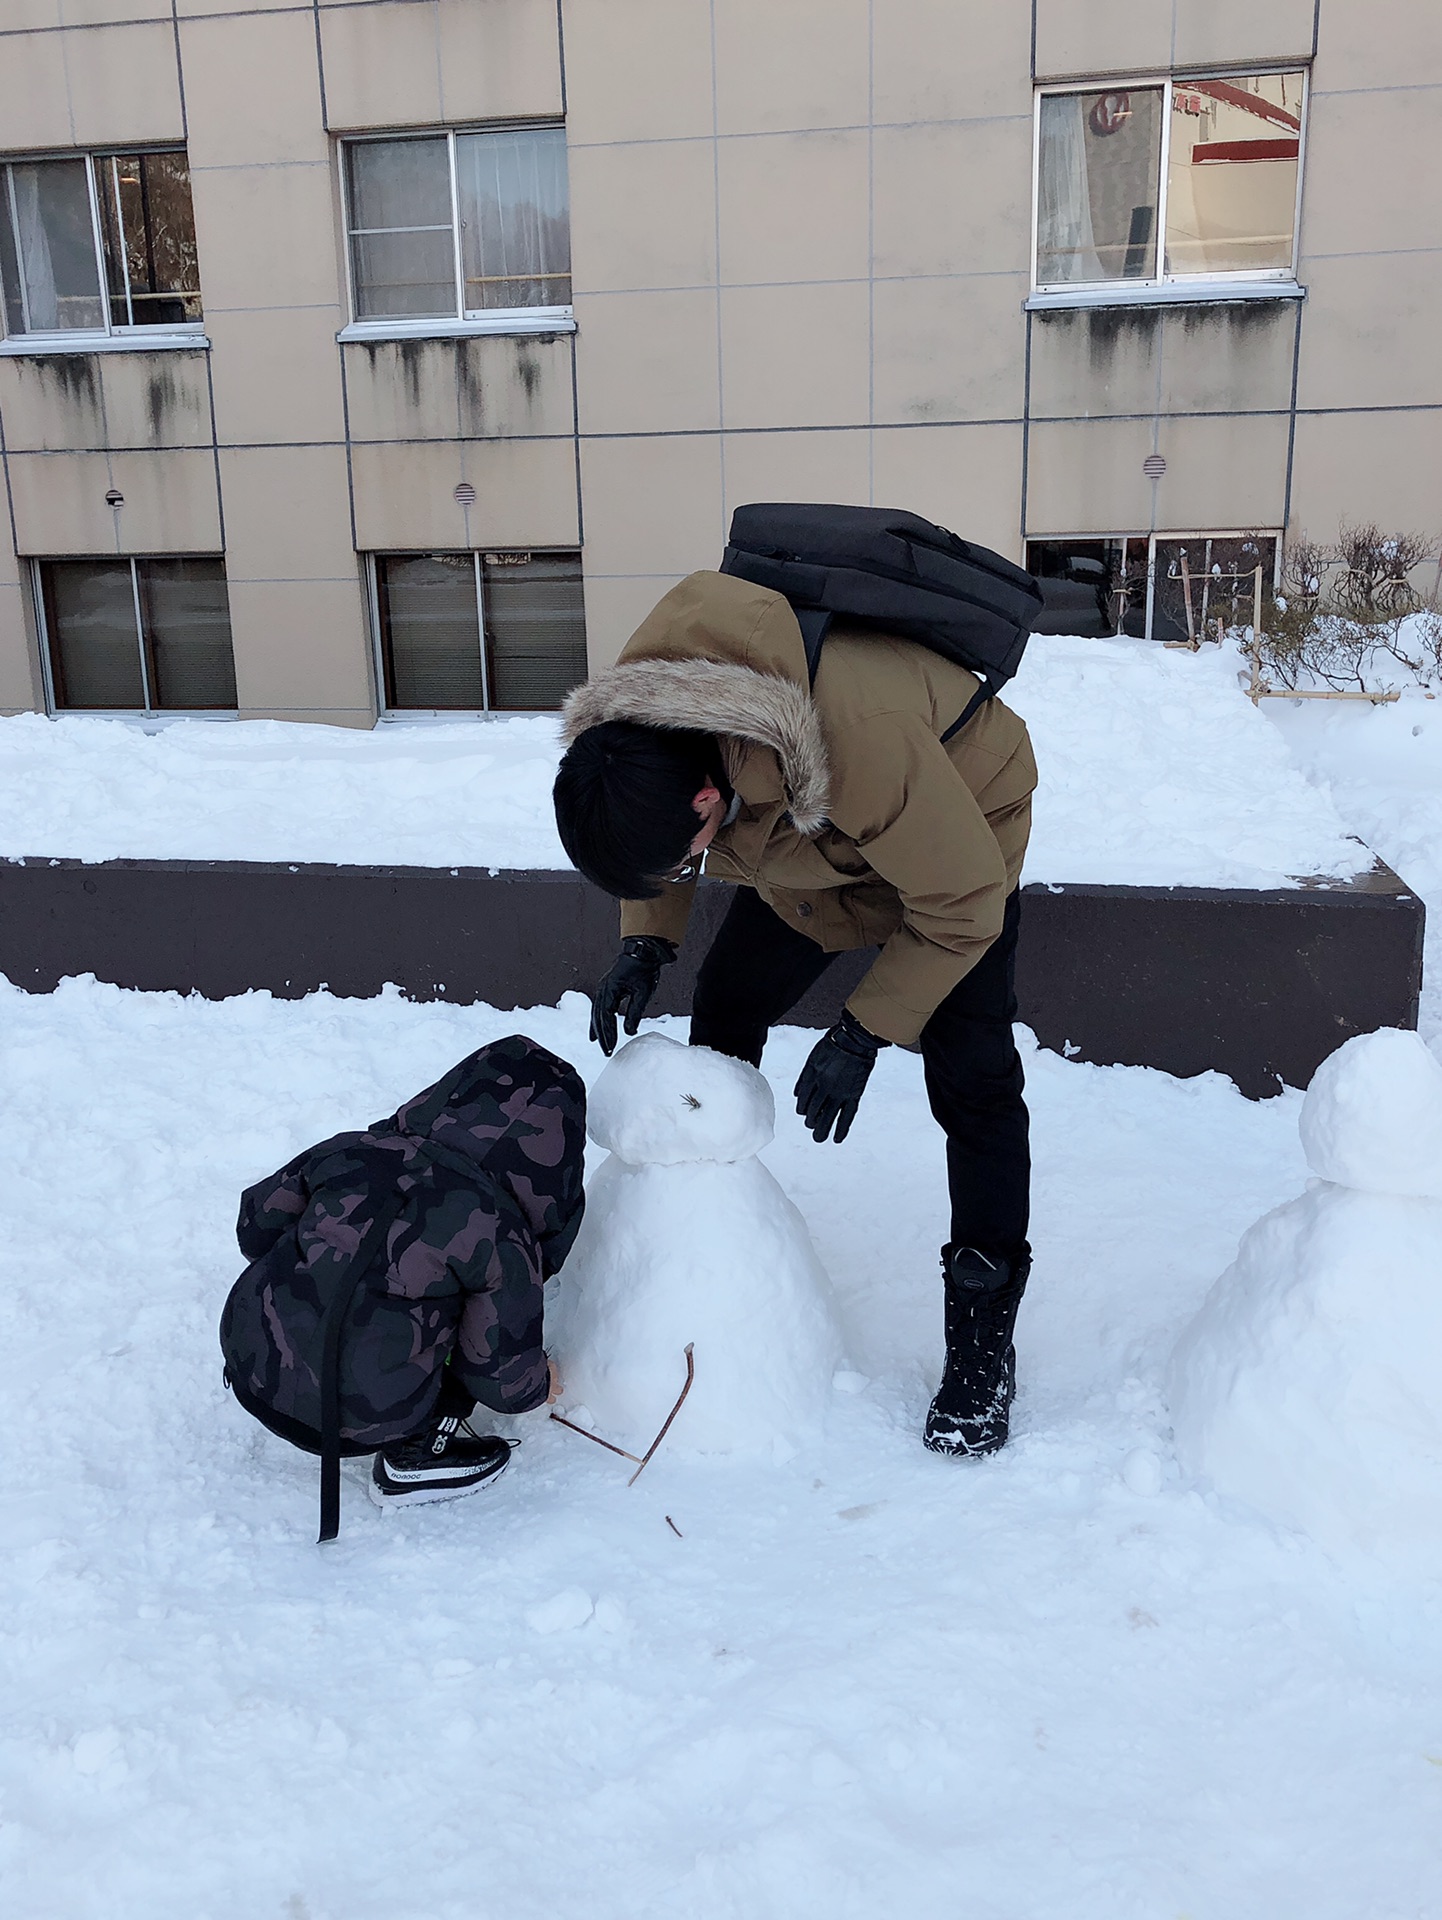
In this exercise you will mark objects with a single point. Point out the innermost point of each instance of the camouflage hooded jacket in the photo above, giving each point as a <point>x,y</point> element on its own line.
<point>487,1165</point>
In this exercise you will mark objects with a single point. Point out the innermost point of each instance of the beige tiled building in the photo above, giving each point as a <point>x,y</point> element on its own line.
<point>395,355</point>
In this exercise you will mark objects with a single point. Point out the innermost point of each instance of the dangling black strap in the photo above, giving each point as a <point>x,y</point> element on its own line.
<point>814,623</point>
<point>355,1270</point>
<point>984,692</point>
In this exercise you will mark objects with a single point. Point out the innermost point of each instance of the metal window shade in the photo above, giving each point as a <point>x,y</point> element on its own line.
<point>185,611</point>
<point>535,629</point>
<point>430,630</point>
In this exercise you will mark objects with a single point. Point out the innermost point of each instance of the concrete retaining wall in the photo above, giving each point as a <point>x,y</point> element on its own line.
<point>1259,985</point>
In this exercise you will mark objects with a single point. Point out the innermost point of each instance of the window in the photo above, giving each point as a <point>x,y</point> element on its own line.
<point>1173,181</point>
<point>137,636</point>
<point>477,631</point>
<point>458,225</point>
<point>1161,586</point>
<point>98,243</point>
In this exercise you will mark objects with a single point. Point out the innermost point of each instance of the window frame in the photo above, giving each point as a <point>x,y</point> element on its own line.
<point>1277,535</point>
<point>557,319</point>
<point>386,712</point>
<point>134,335</point>
<point>149,714</point>
<point>1159,285</point>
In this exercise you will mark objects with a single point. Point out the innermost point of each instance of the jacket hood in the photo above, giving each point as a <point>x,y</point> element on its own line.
<point>516,1114</point>
<point>719,655</point>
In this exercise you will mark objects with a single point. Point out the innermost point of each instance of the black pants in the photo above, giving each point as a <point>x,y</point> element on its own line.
<point>758,968</point>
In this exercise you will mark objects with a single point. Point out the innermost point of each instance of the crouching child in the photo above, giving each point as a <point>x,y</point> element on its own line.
<point>396,1277</point>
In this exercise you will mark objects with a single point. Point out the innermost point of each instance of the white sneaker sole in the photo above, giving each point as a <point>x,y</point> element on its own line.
<point>428,1494</point>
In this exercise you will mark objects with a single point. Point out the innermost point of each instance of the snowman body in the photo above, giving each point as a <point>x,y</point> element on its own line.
<point>1309,1386</point>
<point>689,1240</point>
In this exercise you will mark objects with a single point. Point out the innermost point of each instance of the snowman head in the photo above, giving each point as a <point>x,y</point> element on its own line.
<point>661,1104</point>
<point>1372,1118</point>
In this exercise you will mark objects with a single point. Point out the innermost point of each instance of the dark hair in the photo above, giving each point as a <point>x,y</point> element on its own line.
<point>624,798</point>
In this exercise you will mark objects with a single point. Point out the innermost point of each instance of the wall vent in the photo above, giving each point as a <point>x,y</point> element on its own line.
<point>1154,466</point>
<point>464,494</point>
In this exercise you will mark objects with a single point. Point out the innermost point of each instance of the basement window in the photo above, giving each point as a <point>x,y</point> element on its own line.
<point>136,636</point>
<point>1176,188</point>
<point>478,632</point>
<point>98,248</point>
<point>1160,586</point>
<point>462,232</point>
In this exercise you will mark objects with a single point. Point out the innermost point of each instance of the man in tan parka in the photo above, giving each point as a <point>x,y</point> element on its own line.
<point>845,821</point>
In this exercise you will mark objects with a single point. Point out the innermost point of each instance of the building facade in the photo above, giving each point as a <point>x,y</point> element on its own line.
<point>394,356</point>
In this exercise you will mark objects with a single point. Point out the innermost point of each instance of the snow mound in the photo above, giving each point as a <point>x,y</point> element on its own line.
<point>1156,771</point>
<point>689,1240</point>
<point>660,1104</point>
<point>1372,1119</point>
<point>1308,1385</point>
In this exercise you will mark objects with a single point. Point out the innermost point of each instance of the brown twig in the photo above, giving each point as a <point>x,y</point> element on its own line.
<point>674,1528</point>
<point>641,1461</point>
<point>680,1402</point>
<point>562,1421</point>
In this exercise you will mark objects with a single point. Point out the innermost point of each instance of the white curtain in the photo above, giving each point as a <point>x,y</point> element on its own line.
<point>515,233</point>
<point>33,245</point>
<point>1066,245</point>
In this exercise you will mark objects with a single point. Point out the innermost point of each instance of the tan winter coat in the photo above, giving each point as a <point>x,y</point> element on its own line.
<point>856,825</point>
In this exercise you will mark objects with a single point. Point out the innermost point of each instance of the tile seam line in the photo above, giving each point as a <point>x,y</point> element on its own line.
<point>950,425</point>
<point>1019,274</point>
<point>801,133</point>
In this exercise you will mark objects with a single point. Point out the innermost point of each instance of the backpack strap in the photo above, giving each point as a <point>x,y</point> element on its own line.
<point>814,622</point>
<point>355,1270</point>
<point>984,692</point>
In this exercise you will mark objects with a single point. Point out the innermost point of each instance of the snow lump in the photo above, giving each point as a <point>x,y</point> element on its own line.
<point>688,1239</point>
<point>1310,1383</point>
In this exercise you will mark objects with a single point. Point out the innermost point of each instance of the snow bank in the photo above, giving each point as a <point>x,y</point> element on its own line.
<point>1308,1386</point>
<point>689,1241</point>
<point>1381,767</point>
<point>861,1682</point>
<point>1155,771</point>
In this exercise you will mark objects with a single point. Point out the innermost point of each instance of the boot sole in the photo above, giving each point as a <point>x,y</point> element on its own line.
<point>425,1493</point>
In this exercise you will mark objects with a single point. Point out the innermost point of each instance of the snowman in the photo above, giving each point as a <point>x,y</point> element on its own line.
<point>689,1241</point>
<point>1310,1384</point>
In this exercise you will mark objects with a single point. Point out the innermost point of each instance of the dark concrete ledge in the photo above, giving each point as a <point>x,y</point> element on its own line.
<point>1259,985</point>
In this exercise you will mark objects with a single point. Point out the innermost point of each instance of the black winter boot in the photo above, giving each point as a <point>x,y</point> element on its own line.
<point>441,1462</point>
<point>972,1408</point>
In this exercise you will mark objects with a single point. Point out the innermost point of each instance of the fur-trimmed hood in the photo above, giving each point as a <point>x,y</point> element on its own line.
<point>719,655</point>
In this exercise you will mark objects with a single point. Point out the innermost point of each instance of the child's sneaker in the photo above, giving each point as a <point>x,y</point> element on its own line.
<point>441,1462</point>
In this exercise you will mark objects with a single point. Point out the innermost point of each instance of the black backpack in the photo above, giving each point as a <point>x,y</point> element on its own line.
<point>892,570</point>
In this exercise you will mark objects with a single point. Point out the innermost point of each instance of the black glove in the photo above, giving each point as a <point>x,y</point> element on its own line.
<point>628,986</point>
<point>835,1076</point>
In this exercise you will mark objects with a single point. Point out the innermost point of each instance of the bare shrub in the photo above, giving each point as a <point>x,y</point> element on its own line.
<point>1342,613</point>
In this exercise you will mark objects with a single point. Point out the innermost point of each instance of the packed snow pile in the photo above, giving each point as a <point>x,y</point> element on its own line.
<point>1155,771</point>
<point>688,1240</point>
<point>1310,1383</point>
<point>1381,767</point>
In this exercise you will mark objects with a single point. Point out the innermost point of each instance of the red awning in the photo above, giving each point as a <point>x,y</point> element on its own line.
<point>1244,150</point>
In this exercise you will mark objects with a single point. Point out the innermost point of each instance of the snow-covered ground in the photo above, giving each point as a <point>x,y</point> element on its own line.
<point>1156,774</point>
<point>1058,1685</point>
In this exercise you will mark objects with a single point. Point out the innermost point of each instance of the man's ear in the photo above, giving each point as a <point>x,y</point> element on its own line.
<point>706,799</point>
